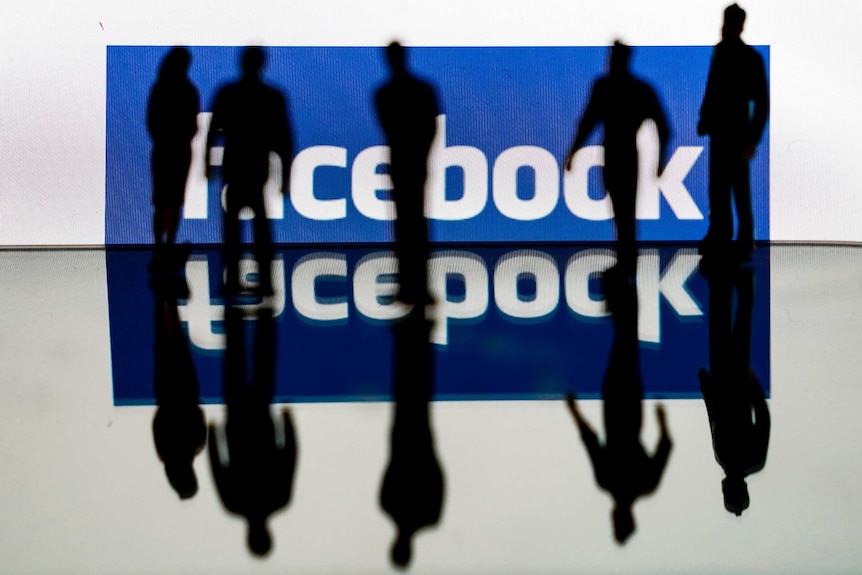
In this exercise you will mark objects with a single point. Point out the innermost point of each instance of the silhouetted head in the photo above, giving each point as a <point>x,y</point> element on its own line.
<point>181,476</point>
<point>259,539</point>
<point>402,550</point>
<point>734,21</point>
<point>620,56</point>
<point>735,491</point>
<point>253,59</point>
<point>624,523</point>
<point>175,64</point>
<point>396,56</point>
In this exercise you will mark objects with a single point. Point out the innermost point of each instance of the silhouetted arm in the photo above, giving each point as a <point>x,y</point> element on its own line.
<point>762,421</point>
<point>588,436</point>
<point>588,123</point>
<point>221,474</point>
<point>704,123</point>
<point>656,112</point>
<point>215,128</point>
<point>760,97</point>
<point>662,452</point>
<point>283,142</point>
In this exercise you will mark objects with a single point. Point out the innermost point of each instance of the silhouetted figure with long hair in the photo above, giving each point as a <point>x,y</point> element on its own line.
<point>621,103</point>
<point>738,415</point>
<point>172,120</point>
<point>179,428</point>
<point>622,466</point>
<point>412,492</point>
<point>251,119</point>
<point>257,479</point>
<point>733,114</point>
<point>407,110</point>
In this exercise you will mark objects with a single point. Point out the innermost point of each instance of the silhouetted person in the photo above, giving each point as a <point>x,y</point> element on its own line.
<point>251,118</point>
<point>621,103</point>
<point>179,428</point>
<point>738,415</point>
<point>257,480</point>
<point>733,114</point>
<point>622,466</point>
<point>172,121</point>
<point>407,109</point>
<point>412,492</point>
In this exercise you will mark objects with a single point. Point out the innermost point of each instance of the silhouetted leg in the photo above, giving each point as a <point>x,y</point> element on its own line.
<point>263,250</point>
<point>742,322</point>
<point>742,197</point>
<point>411,236</point>
<point>232,231</point>
<point>264,356</point>
<point>172,223</point>
<point>621,182</point>
<point>720,216</point>
<point>234,359</point>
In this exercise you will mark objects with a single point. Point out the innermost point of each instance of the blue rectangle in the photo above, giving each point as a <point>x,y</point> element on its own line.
<point>493,98</point>
<point>536,327</point>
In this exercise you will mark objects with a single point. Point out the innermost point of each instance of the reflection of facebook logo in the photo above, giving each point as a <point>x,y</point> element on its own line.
<point>495,169</point>
<point>526,287</point>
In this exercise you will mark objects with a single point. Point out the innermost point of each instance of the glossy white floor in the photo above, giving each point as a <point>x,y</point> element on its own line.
<point>82,490</point>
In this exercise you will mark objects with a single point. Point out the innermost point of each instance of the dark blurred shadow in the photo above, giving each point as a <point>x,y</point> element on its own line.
<point>621,103</point>
<point>407,110</point>
<point>738,415</point>
<point>733,114</point>
<point>621,465</point>
<point>250,120</point>
<point>256,479</point>
<point>172,122</point>
<point>179,428</point>
<point>412,492</point>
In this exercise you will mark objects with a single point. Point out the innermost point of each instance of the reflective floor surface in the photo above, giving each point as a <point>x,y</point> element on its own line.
<point>104,364</point>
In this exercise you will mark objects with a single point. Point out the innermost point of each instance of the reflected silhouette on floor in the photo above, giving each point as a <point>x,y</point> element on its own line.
<point>179,429</point>
<point>735,403</point>
<point>413,486</point>
<point>621,465</point>
<point>256,479</point>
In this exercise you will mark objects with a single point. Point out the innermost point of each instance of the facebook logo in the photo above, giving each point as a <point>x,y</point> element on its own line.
<point>496,166</point>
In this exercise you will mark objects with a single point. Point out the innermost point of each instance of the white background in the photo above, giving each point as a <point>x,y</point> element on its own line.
<point>52,100</point>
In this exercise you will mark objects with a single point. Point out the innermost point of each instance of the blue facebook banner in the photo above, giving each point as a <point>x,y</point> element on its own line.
<point>496,168</point>
<point>510,323</point>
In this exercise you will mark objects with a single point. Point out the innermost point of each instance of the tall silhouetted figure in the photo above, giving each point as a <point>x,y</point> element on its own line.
<point>622,466</point>
<point>733,114</point>
<point>738,416</point>
<point>407,109</point>
<point>251,119</point>
<point>412,492</point>
<point>179,428</point>
<point>172,120</point>
<point>621,103</point>
<point>257,479</point>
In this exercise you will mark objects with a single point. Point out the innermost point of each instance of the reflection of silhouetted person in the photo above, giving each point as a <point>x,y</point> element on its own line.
<point>738,415</point>
<point>407,108</point>
<point>172,120</point>
<point>733,113</point>
<point>252,119</point>
<point>621,103</point>
<point>621,465</point>
<point>179,429</point>
<point>257,479</point>
<point>412,492</point>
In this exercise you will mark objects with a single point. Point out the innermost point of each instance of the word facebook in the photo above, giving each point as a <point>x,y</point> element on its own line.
<point>368,183</point>
<point>496,174</point>
<point>371,287</point>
